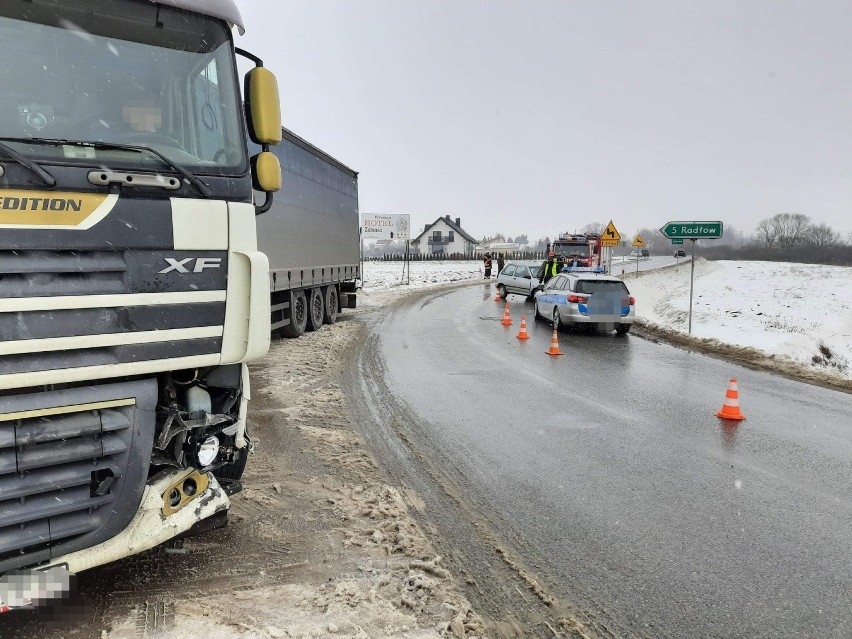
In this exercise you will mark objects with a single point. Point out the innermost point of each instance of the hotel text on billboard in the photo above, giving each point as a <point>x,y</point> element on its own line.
<point>385,227</point>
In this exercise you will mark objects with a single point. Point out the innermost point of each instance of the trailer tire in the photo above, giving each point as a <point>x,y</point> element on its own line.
<point>316,309</point>
<point>332,303</point>
<point>298,314</point>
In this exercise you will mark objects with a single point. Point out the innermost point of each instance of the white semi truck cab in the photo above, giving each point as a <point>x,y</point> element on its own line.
<point>132,291</point>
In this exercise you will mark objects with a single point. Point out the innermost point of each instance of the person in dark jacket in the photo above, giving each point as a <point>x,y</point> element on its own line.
<point>486,262</point>
<point>501,262</point>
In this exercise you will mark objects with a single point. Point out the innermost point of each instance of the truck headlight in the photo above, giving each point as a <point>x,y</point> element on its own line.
<point>208,451</point>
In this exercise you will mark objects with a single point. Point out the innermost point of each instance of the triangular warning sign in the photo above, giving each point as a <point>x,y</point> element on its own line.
<point>610,233</point>
<point>638,241</point>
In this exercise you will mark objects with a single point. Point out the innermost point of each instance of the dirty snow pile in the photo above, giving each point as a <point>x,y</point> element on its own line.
<point>796,312</point>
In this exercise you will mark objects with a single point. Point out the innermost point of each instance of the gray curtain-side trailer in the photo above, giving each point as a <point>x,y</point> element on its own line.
<point>311,236</point>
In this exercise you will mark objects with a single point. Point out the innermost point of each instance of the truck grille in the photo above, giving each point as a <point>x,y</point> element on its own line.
<point>73,465</point>
<point>112,308</point>
<point>43,273</point>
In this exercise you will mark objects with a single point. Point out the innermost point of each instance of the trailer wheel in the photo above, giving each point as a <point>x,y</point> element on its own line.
<point>316,309</point>
<point>332,302</point>
<point>298,314</point>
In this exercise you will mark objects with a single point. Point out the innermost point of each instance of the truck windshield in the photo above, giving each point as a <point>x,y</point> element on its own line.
<point>571,250</point>
<point>120,72</point>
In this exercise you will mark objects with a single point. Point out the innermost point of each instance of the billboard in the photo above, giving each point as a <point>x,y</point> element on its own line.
<point>385,227</point>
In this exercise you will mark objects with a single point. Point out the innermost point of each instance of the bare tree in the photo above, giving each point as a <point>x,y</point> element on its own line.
<point>822,236</point>
<point>593,228</point>
<point>783,230</point>
<point>731,237</point>
<point>767,233</point>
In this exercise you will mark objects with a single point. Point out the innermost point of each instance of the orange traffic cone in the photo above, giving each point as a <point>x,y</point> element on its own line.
<point>554,345</point>
<point>523,334</point>
<point>731,407</point>
<point>507,318</point>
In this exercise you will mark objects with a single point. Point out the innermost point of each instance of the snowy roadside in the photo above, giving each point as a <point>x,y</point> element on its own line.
<point>792,318</point>
<point>384,282</point>
<point>338,554</point>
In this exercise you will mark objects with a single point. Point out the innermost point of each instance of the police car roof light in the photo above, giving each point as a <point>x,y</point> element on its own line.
<point>583,269</point>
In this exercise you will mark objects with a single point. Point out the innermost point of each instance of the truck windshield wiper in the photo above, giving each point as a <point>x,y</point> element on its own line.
<point>137,148</point>
<point>28,163</point>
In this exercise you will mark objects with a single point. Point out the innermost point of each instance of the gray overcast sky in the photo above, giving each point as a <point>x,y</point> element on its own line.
<point>538,117</point>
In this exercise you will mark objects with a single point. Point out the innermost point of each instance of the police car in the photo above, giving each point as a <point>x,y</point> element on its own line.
<point>586,297</point>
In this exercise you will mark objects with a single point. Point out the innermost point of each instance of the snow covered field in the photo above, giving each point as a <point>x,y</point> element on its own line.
<point>385,275</point>
<point>796,313</point>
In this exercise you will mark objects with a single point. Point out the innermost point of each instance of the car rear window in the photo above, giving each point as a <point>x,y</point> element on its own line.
<point>559,284</point>
<point>597,286</point>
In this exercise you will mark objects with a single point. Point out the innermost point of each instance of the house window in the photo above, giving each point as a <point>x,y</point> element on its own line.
<point>436,235</point>
<point>452,236</point>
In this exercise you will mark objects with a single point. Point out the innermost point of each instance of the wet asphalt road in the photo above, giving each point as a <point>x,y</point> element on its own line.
<point>619,484</point>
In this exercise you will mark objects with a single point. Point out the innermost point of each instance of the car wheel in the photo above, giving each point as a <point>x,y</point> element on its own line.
<point>501,291</point>
<point>557,320</point>
<point>622,329</point>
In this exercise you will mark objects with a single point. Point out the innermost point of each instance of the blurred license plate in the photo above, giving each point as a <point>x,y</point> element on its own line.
<point>31,588</point>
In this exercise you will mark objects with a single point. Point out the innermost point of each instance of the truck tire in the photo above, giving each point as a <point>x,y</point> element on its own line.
<point>332,302</point>
<point>298,314</point>
<point>316,309</point>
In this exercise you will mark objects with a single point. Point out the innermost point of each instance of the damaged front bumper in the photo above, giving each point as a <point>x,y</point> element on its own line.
<point>152,526</point>
<point>158,519</point>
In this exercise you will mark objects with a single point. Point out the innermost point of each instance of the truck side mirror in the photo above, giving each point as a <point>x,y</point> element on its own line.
<point>266,172</point>
<point>263,121</point>
<point>263,106</point>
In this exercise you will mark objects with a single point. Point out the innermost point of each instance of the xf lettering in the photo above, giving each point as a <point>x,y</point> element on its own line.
<point>185,265</point>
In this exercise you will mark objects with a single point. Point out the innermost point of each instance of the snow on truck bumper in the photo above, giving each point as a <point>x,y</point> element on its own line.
<point>156,521</point>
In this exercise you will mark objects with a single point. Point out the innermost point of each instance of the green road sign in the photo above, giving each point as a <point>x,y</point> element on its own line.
<point>692,230</point>
<point>677,240</point>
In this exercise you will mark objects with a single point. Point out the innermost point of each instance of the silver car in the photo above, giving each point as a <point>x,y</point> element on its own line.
<point>586,298</point>
<point>519,279</point>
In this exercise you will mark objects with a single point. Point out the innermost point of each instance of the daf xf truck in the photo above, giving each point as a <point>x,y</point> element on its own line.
<point>133,179</point>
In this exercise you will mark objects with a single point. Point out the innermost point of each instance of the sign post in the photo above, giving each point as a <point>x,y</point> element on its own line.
<point>639,241</point>
<point>406,264</point>
<point>693,231</point>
